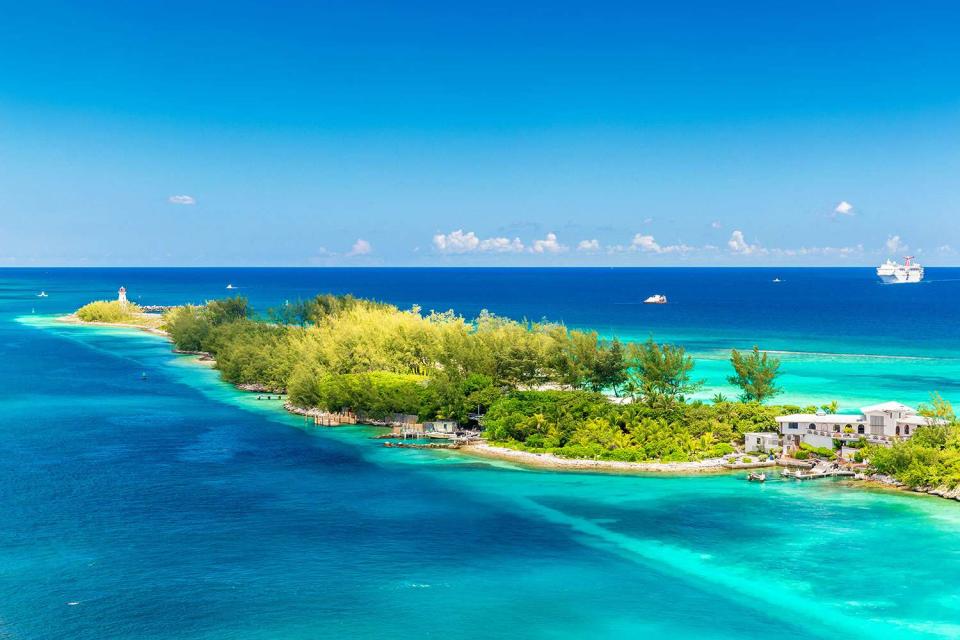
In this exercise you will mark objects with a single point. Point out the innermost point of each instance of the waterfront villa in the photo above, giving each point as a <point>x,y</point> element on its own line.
<point>878,424</point>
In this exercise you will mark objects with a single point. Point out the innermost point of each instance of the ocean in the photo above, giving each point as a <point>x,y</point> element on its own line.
<point>172,506</point>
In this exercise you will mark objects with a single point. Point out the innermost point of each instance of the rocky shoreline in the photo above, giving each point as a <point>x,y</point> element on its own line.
<point>889,482</point>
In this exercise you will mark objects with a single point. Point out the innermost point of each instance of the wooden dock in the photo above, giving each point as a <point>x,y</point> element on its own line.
<point>428,445</point>
<point>821,470</point>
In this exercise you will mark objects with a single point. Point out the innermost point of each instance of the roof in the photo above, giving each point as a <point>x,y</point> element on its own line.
<point>827,418</point>
<point>887,406</point>
<point>917,420</point>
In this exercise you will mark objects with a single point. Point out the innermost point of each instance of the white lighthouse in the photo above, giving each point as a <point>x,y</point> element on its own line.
<point>122,296</point>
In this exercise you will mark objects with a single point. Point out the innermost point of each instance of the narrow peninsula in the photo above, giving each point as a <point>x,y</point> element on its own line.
<point>541,394</point>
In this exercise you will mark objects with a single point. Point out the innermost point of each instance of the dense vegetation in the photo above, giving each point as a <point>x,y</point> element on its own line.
<point>931,458</point>
<point>537,384</point>
<point>586,425</point>
<point>108,311</point>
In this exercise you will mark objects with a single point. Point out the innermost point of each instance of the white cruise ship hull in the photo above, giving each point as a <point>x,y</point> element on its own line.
<point>892,279</point>
<point>900,275</point>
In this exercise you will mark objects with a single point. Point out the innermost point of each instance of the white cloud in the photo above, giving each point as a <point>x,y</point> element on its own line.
<point>501,245</point>
<point>895,245</point>
<point>843,208</point>
<point>548,245</point>
<point>456,242</point>
<point>361,248</point>
<point>460,242</point>
<point>589,245</point>
<point>738,244</point>
<point>716,224</point>
<point>182,200</point>
<point>645,243</point>
<point>836,252</point>
<point>945,248</point>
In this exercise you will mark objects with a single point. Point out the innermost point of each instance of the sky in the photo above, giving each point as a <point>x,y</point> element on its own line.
<point>496,133</point>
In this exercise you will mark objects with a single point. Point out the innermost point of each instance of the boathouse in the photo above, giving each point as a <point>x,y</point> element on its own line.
<point>441,427</point>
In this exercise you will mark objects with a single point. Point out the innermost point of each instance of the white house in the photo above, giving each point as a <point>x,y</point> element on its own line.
<point>878,423</point>
<point>761,441</point>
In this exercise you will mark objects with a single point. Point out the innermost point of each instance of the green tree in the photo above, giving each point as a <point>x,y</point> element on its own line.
<point>609,370</point>
<point>228,310</point>
<point>755,374</point>
<point>660,374</point>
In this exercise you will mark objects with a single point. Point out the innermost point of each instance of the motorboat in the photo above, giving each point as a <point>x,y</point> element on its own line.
<point>657,298</point>
<point>755,476</point>
<point>42,294</point>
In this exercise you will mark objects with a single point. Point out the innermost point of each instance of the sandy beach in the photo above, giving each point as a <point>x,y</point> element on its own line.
<point>550,461</point>
<point>153,318</point>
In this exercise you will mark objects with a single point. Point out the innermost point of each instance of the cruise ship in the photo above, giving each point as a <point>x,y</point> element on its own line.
<point>895,273</point>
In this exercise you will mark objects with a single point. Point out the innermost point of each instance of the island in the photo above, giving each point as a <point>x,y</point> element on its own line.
<point>537,393</point>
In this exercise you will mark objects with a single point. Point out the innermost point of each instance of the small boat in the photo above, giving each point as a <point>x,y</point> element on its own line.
<point>42,294</point>
<point>757,477</point>
<point>777,280</point>
<point>657,298</point>
<point>230,286</point>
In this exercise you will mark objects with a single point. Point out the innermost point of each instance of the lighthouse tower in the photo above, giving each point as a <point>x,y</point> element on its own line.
<point>122,296</point>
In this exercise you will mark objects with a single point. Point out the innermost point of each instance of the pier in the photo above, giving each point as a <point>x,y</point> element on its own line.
<point>821,470</point>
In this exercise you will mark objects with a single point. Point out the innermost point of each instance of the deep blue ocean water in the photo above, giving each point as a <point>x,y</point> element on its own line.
<point>176,507</point>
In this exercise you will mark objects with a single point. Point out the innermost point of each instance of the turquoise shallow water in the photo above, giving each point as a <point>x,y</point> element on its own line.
<point>176,507</point>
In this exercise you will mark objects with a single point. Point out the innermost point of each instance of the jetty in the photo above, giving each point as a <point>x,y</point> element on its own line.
<point>820,470</point>
<point>425,445</point>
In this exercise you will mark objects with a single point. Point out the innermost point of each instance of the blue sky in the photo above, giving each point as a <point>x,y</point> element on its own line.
<point>496,133</point>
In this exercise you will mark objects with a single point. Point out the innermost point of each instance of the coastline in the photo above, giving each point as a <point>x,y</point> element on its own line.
<point>549,461</point>
<point>72,318</point>
<point>556,463</point>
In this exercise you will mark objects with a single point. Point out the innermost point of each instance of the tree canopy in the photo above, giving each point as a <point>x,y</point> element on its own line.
<point>538,385</point>
<point>755,373</point>
<point>660,374</point>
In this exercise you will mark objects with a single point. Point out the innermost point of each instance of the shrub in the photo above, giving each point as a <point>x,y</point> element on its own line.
<point>821,452</point>
<point>107,311</point>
